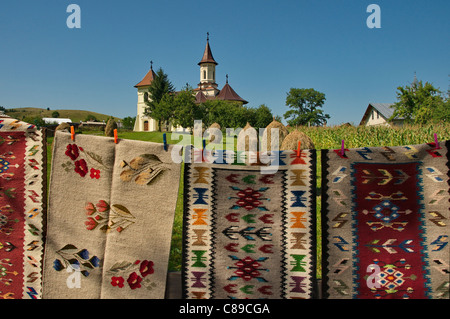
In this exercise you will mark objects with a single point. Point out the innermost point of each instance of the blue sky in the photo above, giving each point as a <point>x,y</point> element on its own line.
<point>266,48</point>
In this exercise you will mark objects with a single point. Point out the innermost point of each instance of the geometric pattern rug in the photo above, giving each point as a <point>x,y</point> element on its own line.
<point>386,222</point>
<point>22,208</point>
<point>249,233</point>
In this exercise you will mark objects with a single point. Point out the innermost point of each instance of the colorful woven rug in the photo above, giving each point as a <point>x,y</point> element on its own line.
<point>248,234</point>
<point>386,222</point>
<point>22,209</point>
<point>111,210</point>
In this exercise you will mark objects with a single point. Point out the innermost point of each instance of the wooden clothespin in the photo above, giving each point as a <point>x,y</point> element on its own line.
<point>115,136</point>
<point>299,145</point>
<point>72,133</point>
<point>165,142</point>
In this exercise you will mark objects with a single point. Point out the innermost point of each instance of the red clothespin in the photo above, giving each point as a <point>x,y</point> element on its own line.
<point>299,145</point>
<point>115,136</point>
<point>72,133</point>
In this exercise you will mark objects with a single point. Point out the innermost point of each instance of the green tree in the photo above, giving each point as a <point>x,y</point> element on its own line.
<point>421,103</point>
<point>91,118</point>
<point>227,114</point>
<point>185,109</point>
<point>305,107</point>
<point>55,114</point>
<point>160,88</point>
<point>128,122</point>
<point>263,116</point>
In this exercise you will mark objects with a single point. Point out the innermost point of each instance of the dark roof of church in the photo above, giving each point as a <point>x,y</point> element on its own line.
<point>147,80</point>
<point>200,97</point>
<point>207,55</point>
<point>227,93</point>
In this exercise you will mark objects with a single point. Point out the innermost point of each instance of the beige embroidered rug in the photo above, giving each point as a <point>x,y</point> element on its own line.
<point>111,211</point>
<point>22,208</point>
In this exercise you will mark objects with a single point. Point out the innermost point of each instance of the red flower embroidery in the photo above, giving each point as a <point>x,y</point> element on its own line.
<point>72,151</point>
<point>90,223</point>
<point>90,209</point>
<point>102,206</point>
<point>81,167</point>
<point>95,173</point>
<point>117,282</point>
<point>134,280</point>
<point>146,268</point>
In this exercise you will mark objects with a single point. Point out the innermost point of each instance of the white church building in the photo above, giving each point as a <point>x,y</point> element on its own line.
<point>207,89</point>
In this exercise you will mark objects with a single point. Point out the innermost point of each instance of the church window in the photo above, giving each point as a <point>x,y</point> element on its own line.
<point>204,75</point>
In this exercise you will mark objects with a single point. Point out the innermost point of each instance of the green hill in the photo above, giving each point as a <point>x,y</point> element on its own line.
<point>75,115</point>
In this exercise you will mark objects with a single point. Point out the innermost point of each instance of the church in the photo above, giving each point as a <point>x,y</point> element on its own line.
<point>206,90</point>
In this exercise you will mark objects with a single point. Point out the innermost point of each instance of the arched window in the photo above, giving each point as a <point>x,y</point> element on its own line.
<point>213,75</point>
<point>204,75</point>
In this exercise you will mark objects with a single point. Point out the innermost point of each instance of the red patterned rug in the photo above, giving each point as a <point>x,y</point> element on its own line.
<point>22,208</point>
<point>250,235</point>
<point>386,222</point>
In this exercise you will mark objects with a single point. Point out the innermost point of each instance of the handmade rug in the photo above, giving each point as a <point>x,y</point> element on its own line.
<point>79,193</point>
<point>22,208</point>
<point>111,211</point>
<point>385,218</point>
<point>142,206</point>
<point>249,233</point>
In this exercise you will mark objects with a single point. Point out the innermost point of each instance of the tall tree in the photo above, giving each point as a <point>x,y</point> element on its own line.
<point>305,107</point>
<point>420,103</point>
<point>185,109</point>
<point>159,87</point>
<point>263,116</point>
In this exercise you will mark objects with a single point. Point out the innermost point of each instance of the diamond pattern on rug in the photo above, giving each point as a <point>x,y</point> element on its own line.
<point>22,209</point>
<point>249,234</point>
<point>385,222</point>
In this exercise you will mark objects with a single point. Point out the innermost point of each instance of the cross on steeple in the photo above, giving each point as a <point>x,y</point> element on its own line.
<point>227,78</point>
<point>151,65</point>
<point>207,36</point>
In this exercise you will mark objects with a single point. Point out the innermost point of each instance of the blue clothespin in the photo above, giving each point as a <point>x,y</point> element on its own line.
<point>165,142</point>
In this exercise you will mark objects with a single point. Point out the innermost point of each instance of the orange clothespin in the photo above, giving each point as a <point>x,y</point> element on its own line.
<point>115,136</point>
<point>72,133</point>
<point>299,146</point>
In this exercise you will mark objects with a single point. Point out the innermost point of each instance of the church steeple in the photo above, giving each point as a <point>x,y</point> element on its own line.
<point>207,55</point>
<point>208,71</point>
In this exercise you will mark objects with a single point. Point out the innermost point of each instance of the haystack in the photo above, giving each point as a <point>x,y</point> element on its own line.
<point>63,127</point>
<point>291,141</point>
<point>244,139</point>
<point>266,143</point>
<point>214,131</point>
<point>111,125</point>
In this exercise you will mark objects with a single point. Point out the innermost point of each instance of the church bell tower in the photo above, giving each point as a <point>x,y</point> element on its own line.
<point>207,65</point>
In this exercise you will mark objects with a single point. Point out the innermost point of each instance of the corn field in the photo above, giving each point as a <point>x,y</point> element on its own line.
<point>372,136</point>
